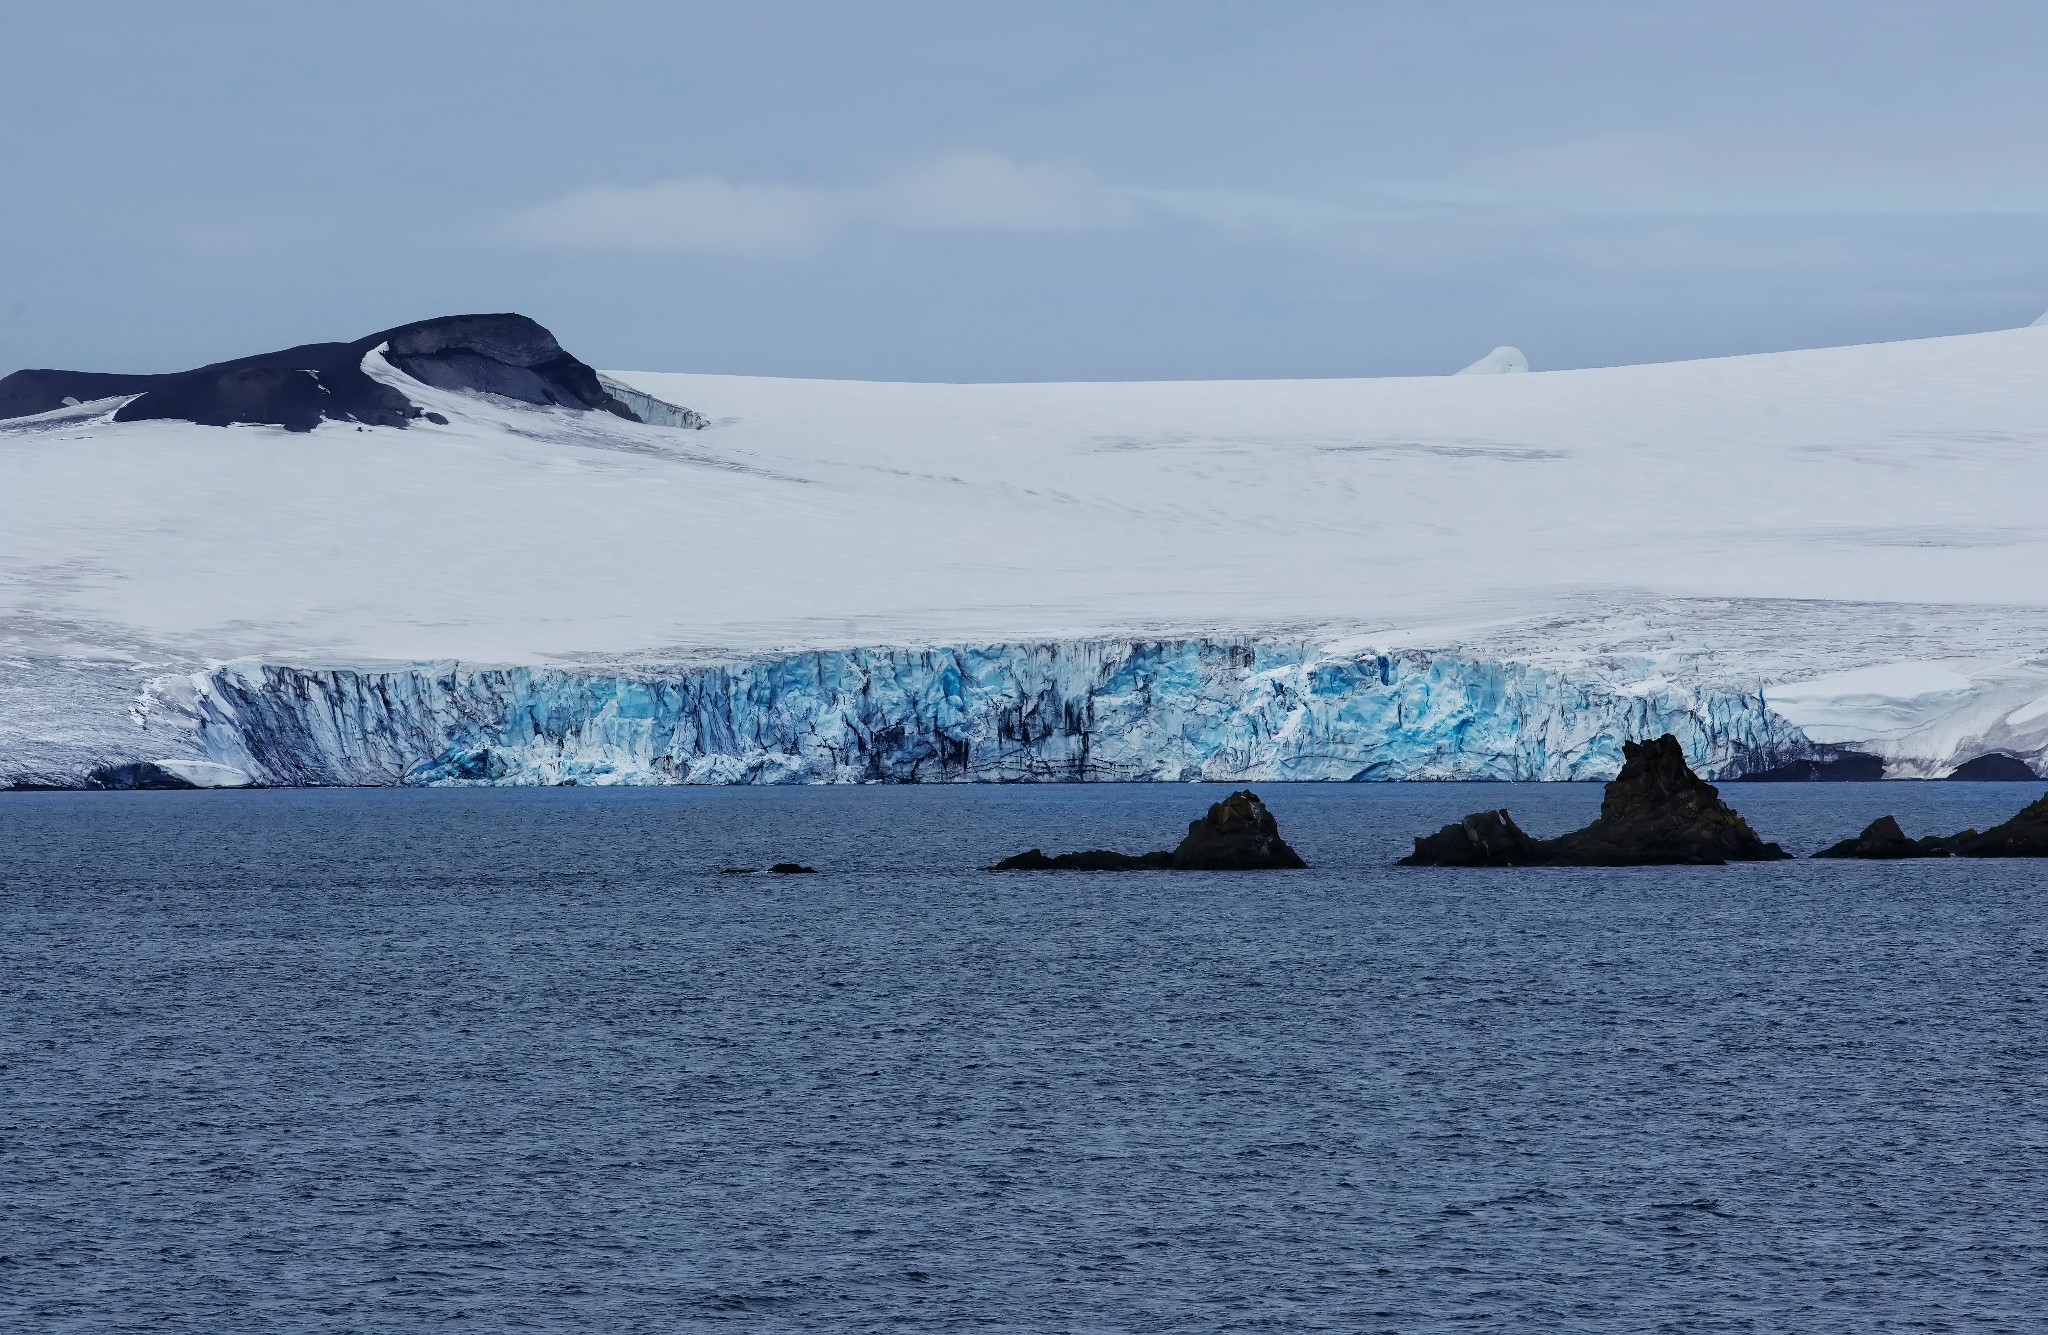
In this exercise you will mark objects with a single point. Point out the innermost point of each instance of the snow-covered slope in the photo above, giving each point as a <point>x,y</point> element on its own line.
<point>1765,526</point>
<point>1503,360</point>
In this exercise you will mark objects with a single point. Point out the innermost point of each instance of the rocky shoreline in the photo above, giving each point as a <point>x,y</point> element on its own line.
<point>2023,836</point>
<point>1657,812</point>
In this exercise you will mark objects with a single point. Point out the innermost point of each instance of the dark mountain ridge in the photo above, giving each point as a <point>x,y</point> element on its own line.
<point>297,388</point>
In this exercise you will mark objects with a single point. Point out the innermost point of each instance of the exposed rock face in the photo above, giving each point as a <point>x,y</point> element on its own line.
<point>1655,812</point>
<point>792,869</point>
<point>1881,839</point>
<point>1482,839</point>
<point>1847,767</point>
<point>507,355</point>
<point>26,393</point>
<point>297,388</point>
<point>1995,768</point>
<point>1236,834</point>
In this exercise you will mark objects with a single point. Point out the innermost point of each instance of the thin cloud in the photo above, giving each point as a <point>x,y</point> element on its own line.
<point>704,215</point>
<point>984,192</point>
<point>765,220</point>
<point>1727,170</point>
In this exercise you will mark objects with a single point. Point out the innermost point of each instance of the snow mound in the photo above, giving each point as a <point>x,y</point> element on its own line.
<point>1502,360</point>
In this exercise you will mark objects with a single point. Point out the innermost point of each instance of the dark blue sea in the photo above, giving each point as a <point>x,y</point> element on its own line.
<point>391,1061</point>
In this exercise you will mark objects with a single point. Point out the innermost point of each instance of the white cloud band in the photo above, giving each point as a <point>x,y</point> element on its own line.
<point>709,215</point>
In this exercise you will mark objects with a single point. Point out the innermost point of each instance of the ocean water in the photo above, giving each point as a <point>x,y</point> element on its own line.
<point>490,1060</point>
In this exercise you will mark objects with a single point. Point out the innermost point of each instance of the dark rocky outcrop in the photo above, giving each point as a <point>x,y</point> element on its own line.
<point>26,393</point>
<point>1236,834</point>
<point>1655,812</point>
<point>1882,839</point>
<point>1658,811</point>
<point>1093,859</point>
<point>1995,768</point>
<point>792,869</point>
<point>507,355</point>
<point>1482,839</point>
<point>1842,767</point>
<point>297,388</point>
<point>2024,836</point>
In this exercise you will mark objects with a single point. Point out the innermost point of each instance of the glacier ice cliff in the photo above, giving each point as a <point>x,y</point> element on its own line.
<point>63,718</point>
<point>653,411</point>
<point>1202,708</point>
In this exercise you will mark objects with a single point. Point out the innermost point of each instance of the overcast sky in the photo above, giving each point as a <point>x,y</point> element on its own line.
<point>1022,190</point>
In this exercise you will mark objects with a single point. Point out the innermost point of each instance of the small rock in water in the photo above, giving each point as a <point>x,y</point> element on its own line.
<point>1236,834</point>
<point>1093,859</point>
<point>792,869</point>
<point>1656,812</point>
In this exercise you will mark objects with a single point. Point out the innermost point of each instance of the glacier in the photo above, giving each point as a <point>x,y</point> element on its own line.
<point>1774,557</point>
<point>1093,710</point>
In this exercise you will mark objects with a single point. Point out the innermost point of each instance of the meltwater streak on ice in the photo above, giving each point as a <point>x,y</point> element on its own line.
<point>1092,710</point>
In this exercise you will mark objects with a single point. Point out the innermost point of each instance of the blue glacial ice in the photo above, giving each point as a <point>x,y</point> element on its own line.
<point>1100,710</point>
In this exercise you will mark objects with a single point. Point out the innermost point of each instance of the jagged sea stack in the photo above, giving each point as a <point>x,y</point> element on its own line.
<point>1656,812</point>
<point>1237,834</point>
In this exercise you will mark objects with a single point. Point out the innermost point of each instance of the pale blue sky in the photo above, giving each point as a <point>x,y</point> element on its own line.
<point>1020,190</point>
